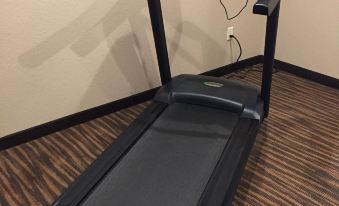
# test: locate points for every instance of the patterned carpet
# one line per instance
(295, 160)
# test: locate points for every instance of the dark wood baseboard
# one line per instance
(307, 74)
(90, 114)
(72, 120)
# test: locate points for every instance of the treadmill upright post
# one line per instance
(270, 44)
(160, 40)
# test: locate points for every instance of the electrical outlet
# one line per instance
(230, 31)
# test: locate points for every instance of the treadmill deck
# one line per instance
(172, 162)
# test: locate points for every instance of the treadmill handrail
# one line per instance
(265, 7)
(270, 8)
(159, 36)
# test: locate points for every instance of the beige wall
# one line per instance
(61, 57)
(309, 35)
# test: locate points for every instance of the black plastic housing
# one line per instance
(265, 7)
(233, 96)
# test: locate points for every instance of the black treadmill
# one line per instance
(190, 146)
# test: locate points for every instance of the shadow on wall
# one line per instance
(130, 53)
(211, 50)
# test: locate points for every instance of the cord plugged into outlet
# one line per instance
(230, 31)
(230, 36)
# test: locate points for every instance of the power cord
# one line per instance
(243, 74)
(235, 16)
(257, 68)
(230, 18)
(236, 39)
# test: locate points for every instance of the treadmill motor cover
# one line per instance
(230, 95)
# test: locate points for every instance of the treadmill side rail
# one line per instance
(227, 174)
(84, 184)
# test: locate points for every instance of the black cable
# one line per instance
(230, 18)
(242, 74)
(236, 39)
(226, 12)
(253, 68)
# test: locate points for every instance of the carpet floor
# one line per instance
(295, 160)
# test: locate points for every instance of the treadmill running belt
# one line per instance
(171, 163)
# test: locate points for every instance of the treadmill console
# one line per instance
(229, 95)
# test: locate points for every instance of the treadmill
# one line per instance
(190, 146)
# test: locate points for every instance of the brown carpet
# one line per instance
(295, 160)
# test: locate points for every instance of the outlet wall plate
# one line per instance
(230, 31)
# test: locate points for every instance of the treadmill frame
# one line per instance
(240, 142)
(93, 175)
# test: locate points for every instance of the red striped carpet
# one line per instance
(295, 160)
